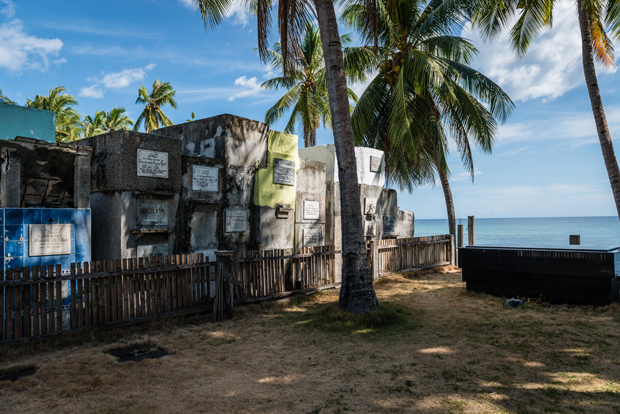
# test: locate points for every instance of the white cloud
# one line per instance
(20, 51)
(7, 7)
(464, 175)
(91, 92)
(551, 67)
(114, 80)
(515, 152)
(251, 88)
(188, 3)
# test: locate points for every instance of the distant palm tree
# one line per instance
(62, 104)
(4, 99)
(116, 120)
(94, 125)
(152, 115)
(307, 84)
(597, 19)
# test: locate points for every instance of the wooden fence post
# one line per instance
(225, 264)
(460, 235)
(374, 259)
(471, 231)
(452, 250)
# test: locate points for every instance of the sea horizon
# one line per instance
(594, 231)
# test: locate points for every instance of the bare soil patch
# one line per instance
(446, 351)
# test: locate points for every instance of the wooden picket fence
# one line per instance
(101, 293)
(401, 255)
(261, 273)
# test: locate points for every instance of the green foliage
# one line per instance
(306, 97)
(94, 125)
(329, 318)
(116, 120)
(4, 99)
(68, 122)
(424, 91)
(193, 118)
(152, 116)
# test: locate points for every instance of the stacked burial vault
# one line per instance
(226, 183)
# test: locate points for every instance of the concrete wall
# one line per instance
(20, 121)
(49, 173)
(405, 225)
(134, 204)
(310, 231)
(327, 155)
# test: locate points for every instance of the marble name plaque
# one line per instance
(370, 205)
(145, 250)
(49, 239)
(312, 210)
(283, 171)
(205, 178)
(152, 212)
(375, 163)
(389, 224)
(236, 221)
(312, 237)
(152, 164)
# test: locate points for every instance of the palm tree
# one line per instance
(594, 17)
(307, 91)
(96, 125)
(424, 92)
(4, 99)
(116, 120)
(62, 104)
(152, 115)
(356, 294)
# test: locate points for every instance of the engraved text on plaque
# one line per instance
(152, 212)
(311, 210)
(152, 164)
(236, 221)
(204, 178)
(283, 171)
(49, 239)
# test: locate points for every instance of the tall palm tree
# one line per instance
(62, 104)
(425, 92)
(4, 99)
(597, 19)
(152, 116)
(94, 125)
(356, 294)
(307, 89)
(117, 120)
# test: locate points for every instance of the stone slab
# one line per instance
(312, 210)
(152, 212)
(160, 249)
(236, 221)
(49, 239)
(283, 171)
(205, 178)
(152, 163)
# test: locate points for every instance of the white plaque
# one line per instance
(204, 178)
(152, 212)
(152, 164)
(236, 221)
(375, 163)
(312, 237)
(283, 171)
(49, 239)
(370, 205)
(311, 210)
(160, 249)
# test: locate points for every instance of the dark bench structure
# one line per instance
(564, 275)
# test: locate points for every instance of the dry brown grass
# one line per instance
(458, 352)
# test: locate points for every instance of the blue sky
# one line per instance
(546, 161)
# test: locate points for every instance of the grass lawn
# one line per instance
(444, 351)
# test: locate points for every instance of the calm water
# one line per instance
(524, 232)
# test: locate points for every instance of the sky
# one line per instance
(546, 160)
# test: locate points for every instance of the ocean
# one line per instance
(595, 232)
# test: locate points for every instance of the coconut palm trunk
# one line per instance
(357, 294)
(447, 193)
(596, 102)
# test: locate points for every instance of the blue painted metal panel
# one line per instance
(22, 121)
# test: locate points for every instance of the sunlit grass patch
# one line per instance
(389, 318)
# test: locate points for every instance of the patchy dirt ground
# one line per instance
(457, 352)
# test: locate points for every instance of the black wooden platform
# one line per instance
(578, 276)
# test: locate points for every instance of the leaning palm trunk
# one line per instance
(447, 193)
(357, 294)
(597, 105)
